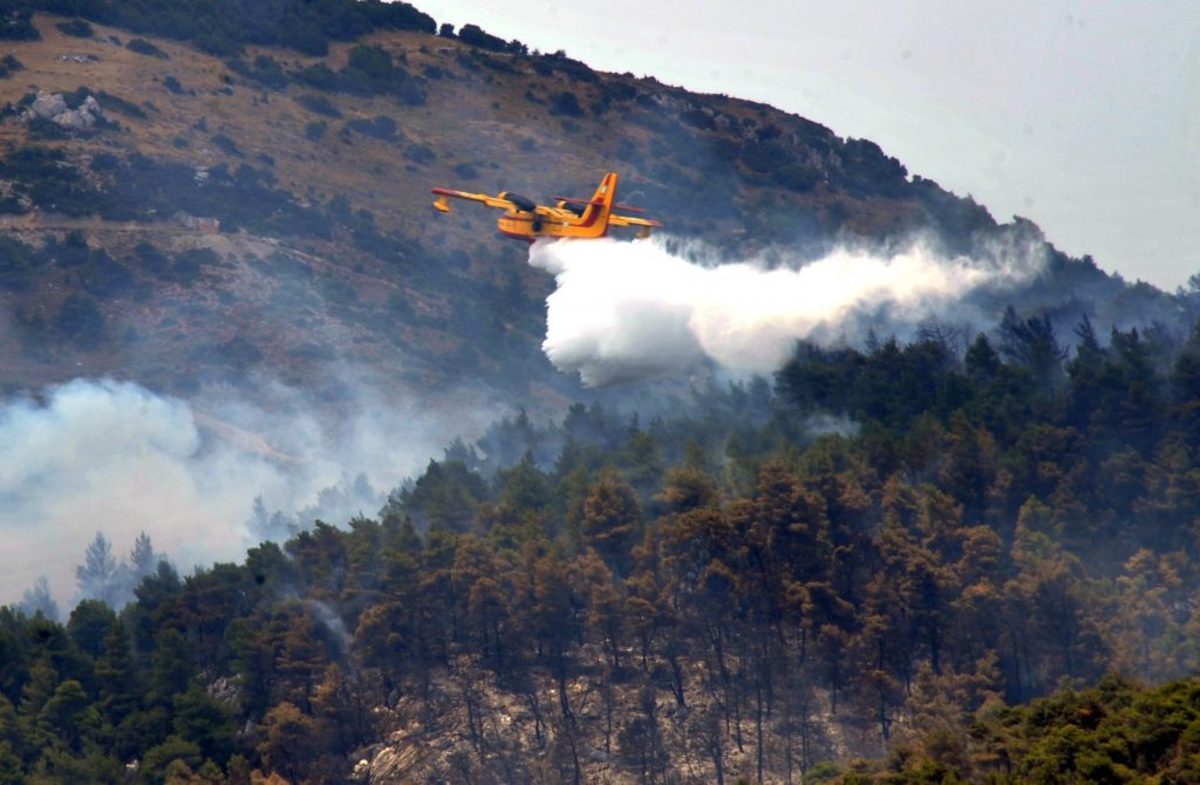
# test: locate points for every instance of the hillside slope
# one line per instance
(870, 557)
(325, 252)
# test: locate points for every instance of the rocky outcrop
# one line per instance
(53, 107)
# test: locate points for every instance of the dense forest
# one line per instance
(877, 555)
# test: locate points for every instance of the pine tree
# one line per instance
(100, 577)
(38, 599)
(611, 518)
(142, 559)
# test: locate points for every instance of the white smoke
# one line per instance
(626, 310)
(109, 456)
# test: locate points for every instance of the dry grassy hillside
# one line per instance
(329, 251)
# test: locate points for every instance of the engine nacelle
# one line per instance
(523, 203)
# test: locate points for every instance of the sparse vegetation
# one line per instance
(315, 130)
(574, 70)
(223, 27)
(76, 28)
(45, 130)
(380, 127)
(16, 23)
(476, 36)
(108, 101)
(419, 153)
(226, 145)
(318, 104)
(265, 70)
(370, 70)
(698, 118)
(188, 266)
(466, 171)
(318, 76)
(18, 263)
(565, 103)
(81, 321)
(143, 47)
(49, 180)
(9, 65)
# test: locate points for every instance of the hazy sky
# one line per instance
(1082, 116)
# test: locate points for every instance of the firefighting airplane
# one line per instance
(525, 220)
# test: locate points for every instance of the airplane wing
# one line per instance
(646, 224)
(443, 204)
(629, 220)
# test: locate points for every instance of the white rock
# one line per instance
(48, 105)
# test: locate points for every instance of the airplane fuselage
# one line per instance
(551, 222)
(524, 219)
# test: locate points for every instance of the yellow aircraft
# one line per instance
(583, 218)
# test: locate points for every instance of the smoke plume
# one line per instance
(627, 310)
(109, 456)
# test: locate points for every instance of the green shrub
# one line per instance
(76, 28)
(411, 93)
(697, 118)
(50, 180)
(118, 104)
(105, 277)
(17, 263)
(227, 145)
(17, 24)
(797, 177)
(575, 70)
(143, 47)
(318, 104)
(764, 156)
(318, 76)
(189, 266)
(476, 36)
(315, 130)
(9, 65)
(81, 320)
(268, 71)
(380, 127)
(565, 103)
(619, 91)
(372, 61)
(105, 162)
(419, 153)
(43, 129)
(265, 70)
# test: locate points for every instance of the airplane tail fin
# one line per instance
(595, 217)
